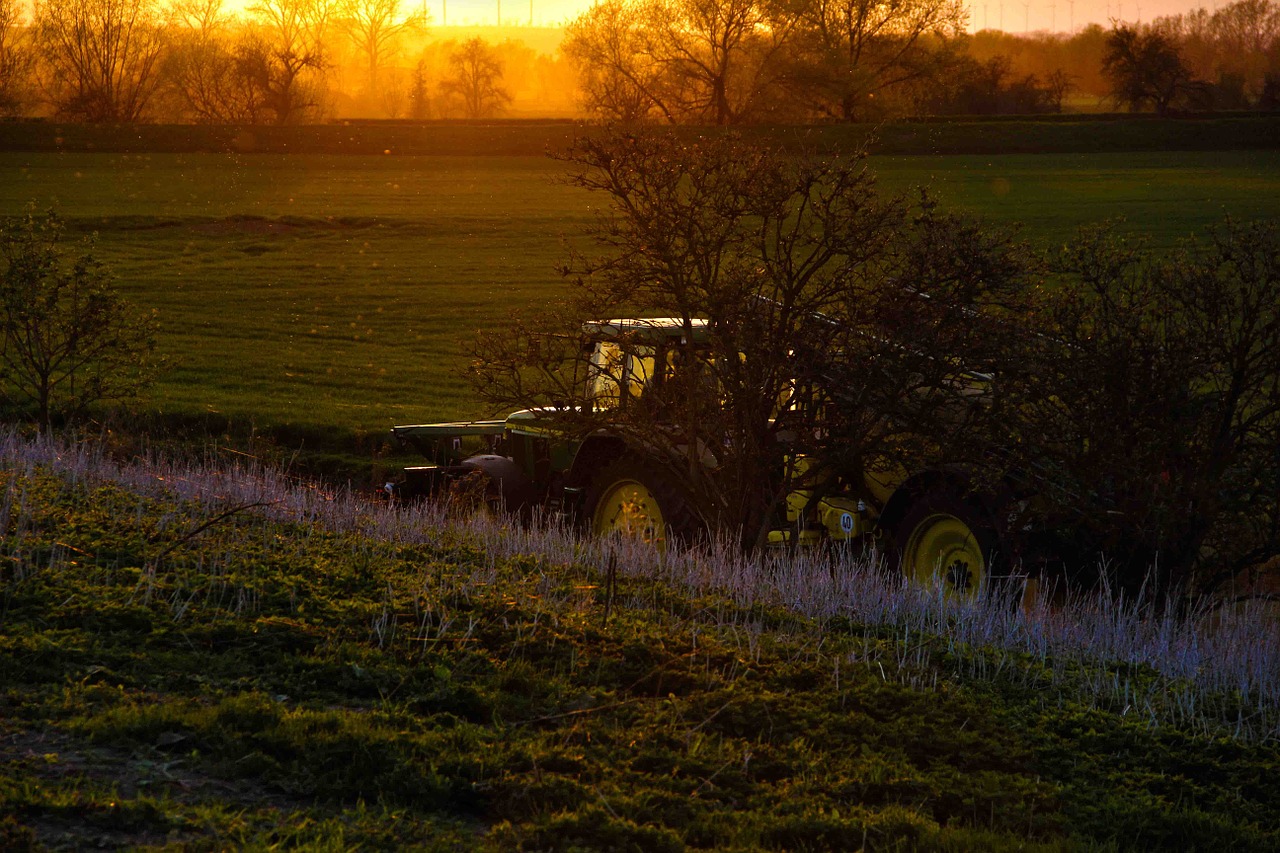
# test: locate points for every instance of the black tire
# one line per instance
(503, 483)
(948, 539)
(630, 497)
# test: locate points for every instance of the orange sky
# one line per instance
(1014, 16)
(1060, 15)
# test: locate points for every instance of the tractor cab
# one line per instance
(637, 358)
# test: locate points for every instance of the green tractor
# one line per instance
(928, 523)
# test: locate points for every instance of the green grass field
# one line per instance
(323, 298)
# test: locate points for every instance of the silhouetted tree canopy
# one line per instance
(101, 58)
(840, 324)
(1144, 405)
(475, 79)
(1145, 70)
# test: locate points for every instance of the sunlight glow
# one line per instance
(484, 13)
(1033, 16)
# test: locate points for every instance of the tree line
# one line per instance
(739, 61)
(725, 62)
(1225, 60)
(281, 62)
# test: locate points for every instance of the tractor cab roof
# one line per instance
(645, 329)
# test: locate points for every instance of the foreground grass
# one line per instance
(205, 657)
(321, 299)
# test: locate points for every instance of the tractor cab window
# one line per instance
(640, 365)
(645, 371)
(804, 398)
(606, 373)
(614, 367)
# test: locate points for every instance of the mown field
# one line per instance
(319, 299)
(204, 658)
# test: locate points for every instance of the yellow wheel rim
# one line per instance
(943, 547)
(629, 509)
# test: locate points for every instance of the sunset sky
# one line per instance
(1017, 15)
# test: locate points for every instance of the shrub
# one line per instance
(67, 337)
(1145, 404)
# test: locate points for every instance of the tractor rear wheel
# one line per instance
(632, 499)
(947, 540)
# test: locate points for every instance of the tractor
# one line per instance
(929, 523)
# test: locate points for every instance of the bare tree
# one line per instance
(284, 60)
(722, 52)
(393, 95)
(800, 340)
(475, 79)
(1058, 84)
(851, 52)
(101, 57)
(709, 61)
(374, 27)
(16, 60)
(619, 80)
(202, 69)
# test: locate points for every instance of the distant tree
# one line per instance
(711, 61)
(724, 54)
(1145, 70)
(1054, 58)
(1193, 33)
(374, 26)
(619, 81)
(393, 94)
(1084, 60)
(848, 53)
(1270, 97)
(102, 57)
(202, 69)
(419, 91)
(1057, 85)
(16, 60)
(285, 59)
(975, 88)
(475, 79)
(553, 80)
(67, 337)
(1247, 38)
(1234, 46)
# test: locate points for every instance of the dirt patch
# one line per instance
(275, 226)
(256, 226)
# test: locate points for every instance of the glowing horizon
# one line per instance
(1011, 16)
